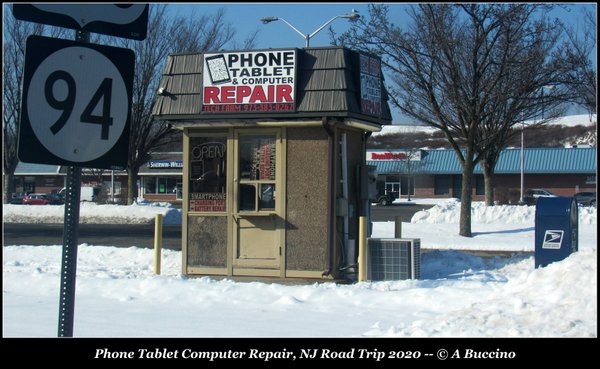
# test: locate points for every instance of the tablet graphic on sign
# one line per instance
(217, 69)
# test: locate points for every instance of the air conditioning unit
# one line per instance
(392, 259)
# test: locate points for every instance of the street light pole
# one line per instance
(522, 158)
(352, 16)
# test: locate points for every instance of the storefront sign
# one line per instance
(370, 85)
(394, 155)
(249, 82)
(165, 164)
(208, 202)
(208, 150)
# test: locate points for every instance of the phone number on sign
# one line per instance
(247, 108)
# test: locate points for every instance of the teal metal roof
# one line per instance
(537, 160)
(33, 169)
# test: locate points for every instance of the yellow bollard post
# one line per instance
(398, 227)
(158, 222)
(362, 249)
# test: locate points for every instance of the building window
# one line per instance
(107, 186)
(167, 185)
(150, 185)
(257, 168)
(208, 174)
(441, 185)
(29, 184)
(160, 185)
(479, 185)
(408, 186)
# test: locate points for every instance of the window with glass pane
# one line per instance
(171, 185)
(257, 163)
(267, 197)
(208, 174)
(150, 184)
(162, 185)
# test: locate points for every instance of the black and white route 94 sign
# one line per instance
(76, 104)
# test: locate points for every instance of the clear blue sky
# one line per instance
(306, 17)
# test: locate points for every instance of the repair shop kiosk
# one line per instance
(274, 148)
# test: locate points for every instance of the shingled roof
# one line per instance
(327, 84)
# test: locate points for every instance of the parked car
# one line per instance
(385, 199)
(36, 199)
(530, 197)
(56, 198)
(585, 198)
(17, 197)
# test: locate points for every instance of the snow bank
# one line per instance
(445, 211)
(449, 212)
(137, 213)
(517, 304)
(459, 295)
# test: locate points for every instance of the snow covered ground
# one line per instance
(458, 295)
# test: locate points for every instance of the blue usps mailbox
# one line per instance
(556, 228)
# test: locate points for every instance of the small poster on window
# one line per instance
(208, 202)
(370, 85)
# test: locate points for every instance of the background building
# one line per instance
(437, 173)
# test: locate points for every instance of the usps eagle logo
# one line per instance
(553, 239)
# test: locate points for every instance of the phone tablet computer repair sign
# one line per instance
(249, 82)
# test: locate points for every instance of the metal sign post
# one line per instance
(66, 308)
(68, 269)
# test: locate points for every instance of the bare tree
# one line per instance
(582, 47)
(168, 35)
(15, 35)
(529, 82)
(196, 33)
(453, 66)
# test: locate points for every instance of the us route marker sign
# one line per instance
(121, 20)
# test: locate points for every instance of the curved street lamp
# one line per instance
(351, 16)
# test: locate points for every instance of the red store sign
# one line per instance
(394, 155)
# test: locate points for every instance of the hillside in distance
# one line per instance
(569, 131)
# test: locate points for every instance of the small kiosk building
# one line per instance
(274, 147)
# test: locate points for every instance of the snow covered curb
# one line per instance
(447, 211)
(138, 213)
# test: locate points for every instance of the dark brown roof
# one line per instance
(327, 84)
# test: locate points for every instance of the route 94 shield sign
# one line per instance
(76, 104)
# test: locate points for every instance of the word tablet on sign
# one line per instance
(249, 82)
(76, 104)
